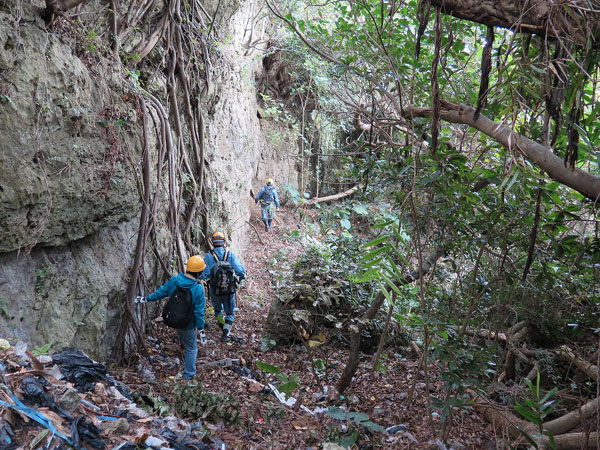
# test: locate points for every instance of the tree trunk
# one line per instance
(573, 20)
(332, 198)
(583, 182)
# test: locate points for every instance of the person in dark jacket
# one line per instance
(267, 196)
(222, 303)
(187, 336)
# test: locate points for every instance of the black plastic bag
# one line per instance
(87, 432)
(181, 441)
(78, 368)
(34, 393)
(7, 436)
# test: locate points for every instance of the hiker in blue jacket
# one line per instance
(187, 336)
(224, 302)
(267, 196)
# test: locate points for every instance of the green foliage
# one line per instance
(267, 343)
(192, 401)
(43, 350)
(42, 274)
(268, 367)
(294, 194)
(287, 383)
(357, 421)
(357, 417)
(535, 410)
(6, 99)
(3, 307)
(154, 404)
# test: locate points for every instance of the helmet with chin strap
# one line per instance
(218, 239)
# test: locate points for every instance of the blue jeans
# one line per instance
(222, 303)
(267, 211)
(188, 338)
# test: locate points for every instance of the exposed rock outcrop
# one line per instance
(70, 147)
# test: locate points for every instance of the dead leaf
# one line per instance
(145, 420)
(254, 387)
(299, 425)
(316, 340)
(37, 365)
(56, 420)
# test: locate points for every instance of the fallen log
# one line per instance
(486, 334)
(573, 441)
(570, 420)
(332, 198)
(565, 353)
(558, 427)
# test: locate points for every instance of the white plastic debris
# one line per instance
(20, 349)
(317, 410)
(291, 401)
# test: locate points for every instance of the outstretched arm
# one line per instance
(163, 291)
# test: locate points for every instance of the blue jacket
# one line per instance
(261, 193)
(209, 259)
(197, 296)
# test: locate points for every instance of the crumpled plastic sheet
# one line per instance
(245, 371)
(84, 372)
(7, 436)
(18, 405)
(81, 430)
(35, 393)
(78, 368)
(10, 447)
(130, 446)
(185, 441)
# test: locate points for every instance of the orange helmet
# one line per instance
(195, 264)
(218, 235)
(269, 181)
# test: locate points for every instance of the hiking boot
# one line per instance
(225, 335)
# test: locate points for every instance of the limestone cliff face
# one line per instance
(70, 150)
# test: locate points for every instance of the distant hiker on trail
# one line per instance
(267, 196)
(185, 309)
(224, 272)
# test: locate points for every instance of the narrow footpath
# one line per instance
(228, 368)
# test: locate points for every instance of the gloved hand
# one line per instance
(140, 299)
(202, 337)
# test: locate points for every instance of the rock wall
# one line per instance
(244, 149)
(70, 146)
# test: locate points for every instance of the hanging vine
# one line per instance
(171, 41)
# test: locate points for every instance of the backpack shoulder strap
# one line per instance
(226, 255)
(214, 255)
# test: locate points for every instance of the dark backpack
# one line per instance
(268, 196)
(222, 278)
(179, 310)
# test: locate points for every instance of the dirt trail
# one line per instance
(383, 397)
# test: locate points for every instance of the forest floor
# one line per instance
(266, 422)
(232, 396)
